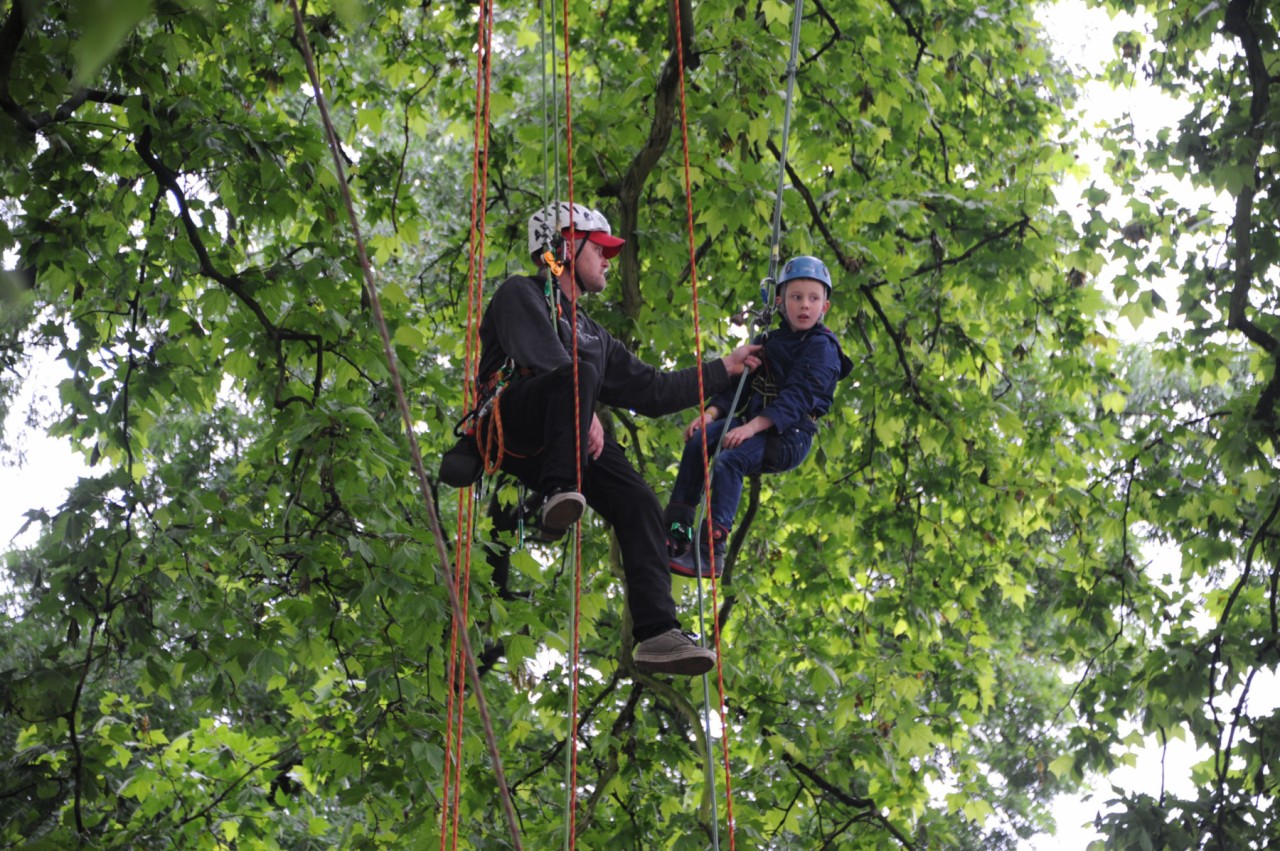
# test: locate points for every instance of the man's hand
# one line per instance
(595, 437)
(746, 356)
(711, 414)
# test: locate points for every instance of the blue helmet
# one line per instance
(805, 266)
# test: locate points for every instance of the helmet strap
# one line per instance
(573, 263)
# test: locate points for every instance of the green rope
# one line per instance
(767, 288)
(550, 197)
(767, 295)
(550, 109)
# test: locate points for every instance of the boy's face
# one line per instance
(804, 301)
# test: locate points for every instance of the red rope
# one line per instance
(572, 256)
(706, 463)
(450, 809)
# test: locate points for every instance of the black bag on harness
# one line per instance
(462, 466)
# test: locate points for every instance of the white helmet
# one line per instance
(549, 222)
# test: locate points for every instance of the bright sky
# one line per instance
(1084, 37)
(49, 467)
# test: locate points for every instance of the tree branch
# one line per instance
(666, 97)
(234, 283)
(1238, 20)
(12, 32)
(943, 262)
(834, 38)
(844, 797)
(848, 799)
(225, 793)
(626, 718)
(912, 30)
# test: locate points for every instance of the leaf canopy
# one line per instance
(232, 634)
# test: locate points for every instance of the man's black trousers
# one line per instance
(538, 436)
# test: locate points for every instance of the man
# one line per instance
(527, 342)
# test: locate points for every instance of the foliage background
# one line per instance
(232, 634)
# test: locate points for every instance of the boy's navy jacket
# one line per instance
(797, 381)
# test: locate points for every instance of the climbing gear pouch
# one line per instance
(462, 466)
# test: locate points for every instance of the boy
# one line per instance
(802, 361)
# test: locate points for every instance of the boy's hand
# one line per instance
(746, 431)
(738, 436)
(746, 356)
(711, 414)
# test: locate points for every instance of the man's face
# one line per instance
(591, 267)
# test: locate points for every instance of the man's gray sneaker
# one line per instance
(673, 652)
(560, 511)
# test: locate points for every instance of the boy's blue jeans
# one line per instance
(765, 453)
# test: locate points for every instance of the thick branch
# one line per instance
(666, 98)
(1237, 21)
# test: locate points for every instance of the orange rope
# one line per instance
(493, 445)
(450, 809)
(407, 420)
(491, 436)
(572, 256)
(706, 464)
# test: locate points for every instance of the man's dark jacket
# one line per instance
(517, 325)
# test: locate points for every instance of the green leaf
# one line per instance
(104, 25)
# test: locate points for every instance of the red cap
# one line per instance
(610, 244)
